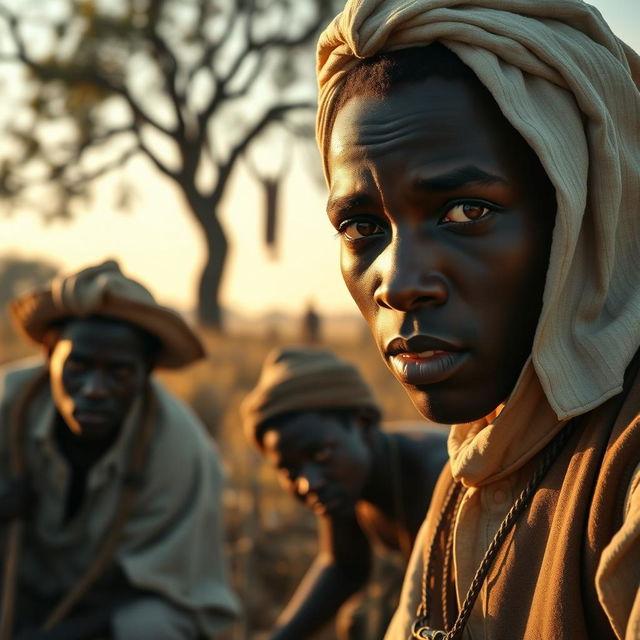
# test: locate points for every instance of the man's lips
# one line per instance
(88, 416)
(423, 360)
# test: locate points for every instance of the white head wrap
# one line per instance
(570, 87)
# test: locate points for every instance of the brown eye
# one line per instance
(122, 372)
(360, 229)
(74, 365)
(466, 212)
(322, 455)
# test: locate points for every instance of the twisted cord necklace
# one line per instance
(420, 629)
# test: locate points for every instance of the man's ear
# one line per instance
(49, 341)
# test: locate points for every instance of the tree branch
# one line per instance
(273, 114)
(161, 166)
(170, 76)
(116, 163)
(206, 59)
(79, 75)
(251, 78)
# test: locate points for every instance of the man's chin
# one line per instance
(446, 408)
(333, 508)
(93, 431)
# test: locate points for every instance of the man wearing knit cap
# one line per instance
(483, 164)
(109, 487)
(315, 419)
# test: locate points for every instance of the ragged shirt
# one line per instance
(571, 567)
(172, 543)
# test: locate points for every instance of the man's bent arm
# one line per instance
(340, 569)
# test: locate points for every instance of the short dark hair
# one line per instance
(376, 76)
(344, 415)
(151, 346)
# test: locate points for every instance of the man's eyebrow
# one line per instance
(344, 204)
(457, 178)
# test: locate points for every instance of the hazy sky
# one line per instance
(158, 243)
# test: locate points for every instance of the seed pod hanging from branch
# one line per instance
(271, 192)
(270, 186)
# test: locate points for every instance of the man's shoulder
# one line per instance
(15, 375)
(178, 429)
(421, 450)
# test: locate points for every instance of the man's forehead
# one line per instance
(435, 108)
(106, 339)
(98, 327)
(298, 431)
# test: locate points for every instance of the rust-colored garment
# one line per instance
(543, 581)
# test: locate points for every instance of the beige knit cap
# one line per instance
(303, 379)
(103, 290)
(570, 87)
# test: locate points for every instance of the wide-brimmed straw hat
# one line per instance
(103, 290)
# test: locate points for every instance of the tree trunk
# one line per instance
(209, 309)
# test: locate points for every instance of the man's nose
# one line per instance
(410, 274)
(94, 384)
(310, 480)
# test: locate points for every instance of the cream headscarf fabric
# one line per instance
(570, 87)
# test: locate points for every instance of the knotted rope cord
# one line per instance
(446, 564)
(420, 629)
(424, 608)
(14, 532)
(123, 511)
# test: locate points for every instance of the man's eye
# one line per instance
(322, 455)
(466, 212)
(75, 365)
(358, 229)
(122, 372)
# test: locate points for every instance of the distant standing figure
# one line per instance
(316, 421)
(109, 487)
(311, 325)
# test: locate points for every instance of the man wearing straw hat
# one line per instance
(315, 419)
(111, 496)
(483, 162)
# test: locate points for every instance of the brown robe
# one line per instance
(542, 582)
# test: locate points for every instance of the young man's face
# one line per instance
(97, 368)
(321, 459)
(445, 216)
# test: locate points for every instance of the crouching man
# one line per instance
(110, 496)
(316, 420)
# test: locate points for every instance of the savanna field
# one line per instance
(271, 540)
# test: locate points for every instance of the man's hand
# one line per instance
(16, 497)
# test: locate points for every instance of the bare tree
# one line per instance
(189, 84)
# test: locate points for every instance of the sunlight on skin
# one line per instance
(307, 267)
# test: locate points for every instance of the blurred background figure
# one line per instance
(311, 325)
(109, 488)
(318, 424)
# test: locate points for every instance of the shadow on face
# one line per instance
(97, 368)
(322, 458)
(445, 217)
